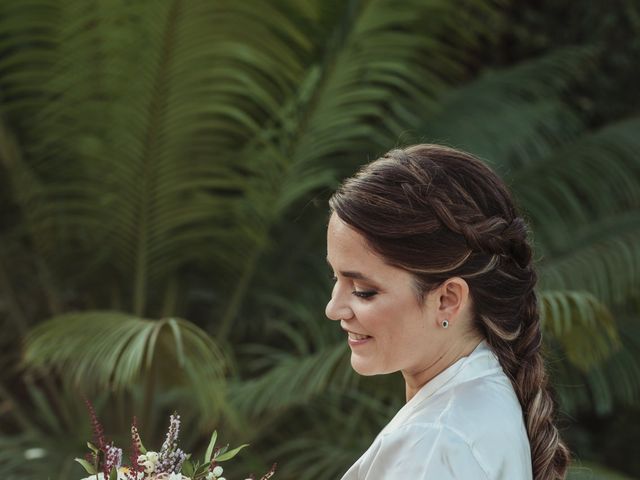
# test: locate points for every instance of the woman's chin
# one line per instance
(363, 367)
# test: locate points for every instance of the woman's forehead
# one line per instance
(344, 241)
(347, 249)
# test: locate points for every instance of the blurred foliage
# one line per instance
(164, 171)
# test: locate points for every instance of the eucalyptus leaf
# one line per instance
(91, 470)
(92, 447)
(212, 443)
(201, 470)
(231, 453)
(187, 468)
(221, 450)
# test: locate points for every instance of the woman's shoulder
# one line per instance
(483, 409)
(479, 411)
(481, 417)
(476, 443)
(485, 402)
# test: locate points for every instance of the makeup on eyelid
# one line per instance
(364, 294)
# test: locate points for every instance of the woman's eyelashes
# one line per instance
(366, 295)
(358, 293)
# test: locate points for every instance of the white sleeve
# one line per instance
(423, 452)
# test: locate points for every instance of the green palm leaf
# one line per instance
(133, 152)
(587, 180)
(303, 357)
(582, 325)
(601, 257)
(293, 381)
(613, 381)
(111, 350)
(523, 100)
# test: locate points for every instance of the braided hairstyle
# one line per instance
(437, 213)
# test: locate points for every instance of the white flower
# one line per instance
(152, 457)
(217, 471)
(169, 476)
(122, 475)
(148, 461)
(149, 467)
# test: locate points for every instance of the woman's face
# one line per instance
(375, 299)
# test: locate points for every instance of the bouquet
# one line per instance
(104, 461)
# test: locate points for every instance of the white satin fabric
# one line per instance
(465, 423)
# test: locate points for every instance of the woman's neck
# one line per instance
(417, 379)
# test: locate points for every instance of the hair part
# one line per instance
(438, 212)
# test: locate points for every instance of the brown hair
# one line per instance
(437, 213)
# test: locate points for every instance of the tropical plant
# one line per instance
(168, 165)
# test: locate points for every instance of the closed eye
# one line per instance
(358, 293)
(365, 295)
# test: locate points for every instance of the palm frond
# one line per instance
(581, 324)
(132, 90)
(523, 100)
(614, 381)
(354, 84)
(293, 381)
(601, 257)
(587, 180)
(299, 358)
(111, 350)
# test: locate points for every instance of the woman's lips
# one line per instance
(357, 339)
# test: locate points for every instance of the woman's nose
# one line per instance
(336, 309)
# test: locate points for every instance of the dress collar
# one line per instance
(479, 363)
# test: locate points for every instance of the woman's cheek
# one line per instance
(375, 317)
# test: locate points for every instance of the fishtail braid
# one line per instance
(519, 351)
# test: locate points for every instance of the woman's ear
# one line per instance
(453, 296)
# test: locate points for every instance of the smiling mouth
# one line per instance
(357, 336)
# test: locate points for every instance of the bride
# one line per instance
(434, 278)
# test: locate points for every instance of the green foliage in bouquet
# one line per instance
(171, 463)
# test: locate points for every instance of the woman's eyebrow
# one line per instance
(350, 274)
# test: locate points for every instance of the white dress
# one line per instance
(466, 423)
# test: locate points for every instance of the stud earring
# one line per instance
(445, 324)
